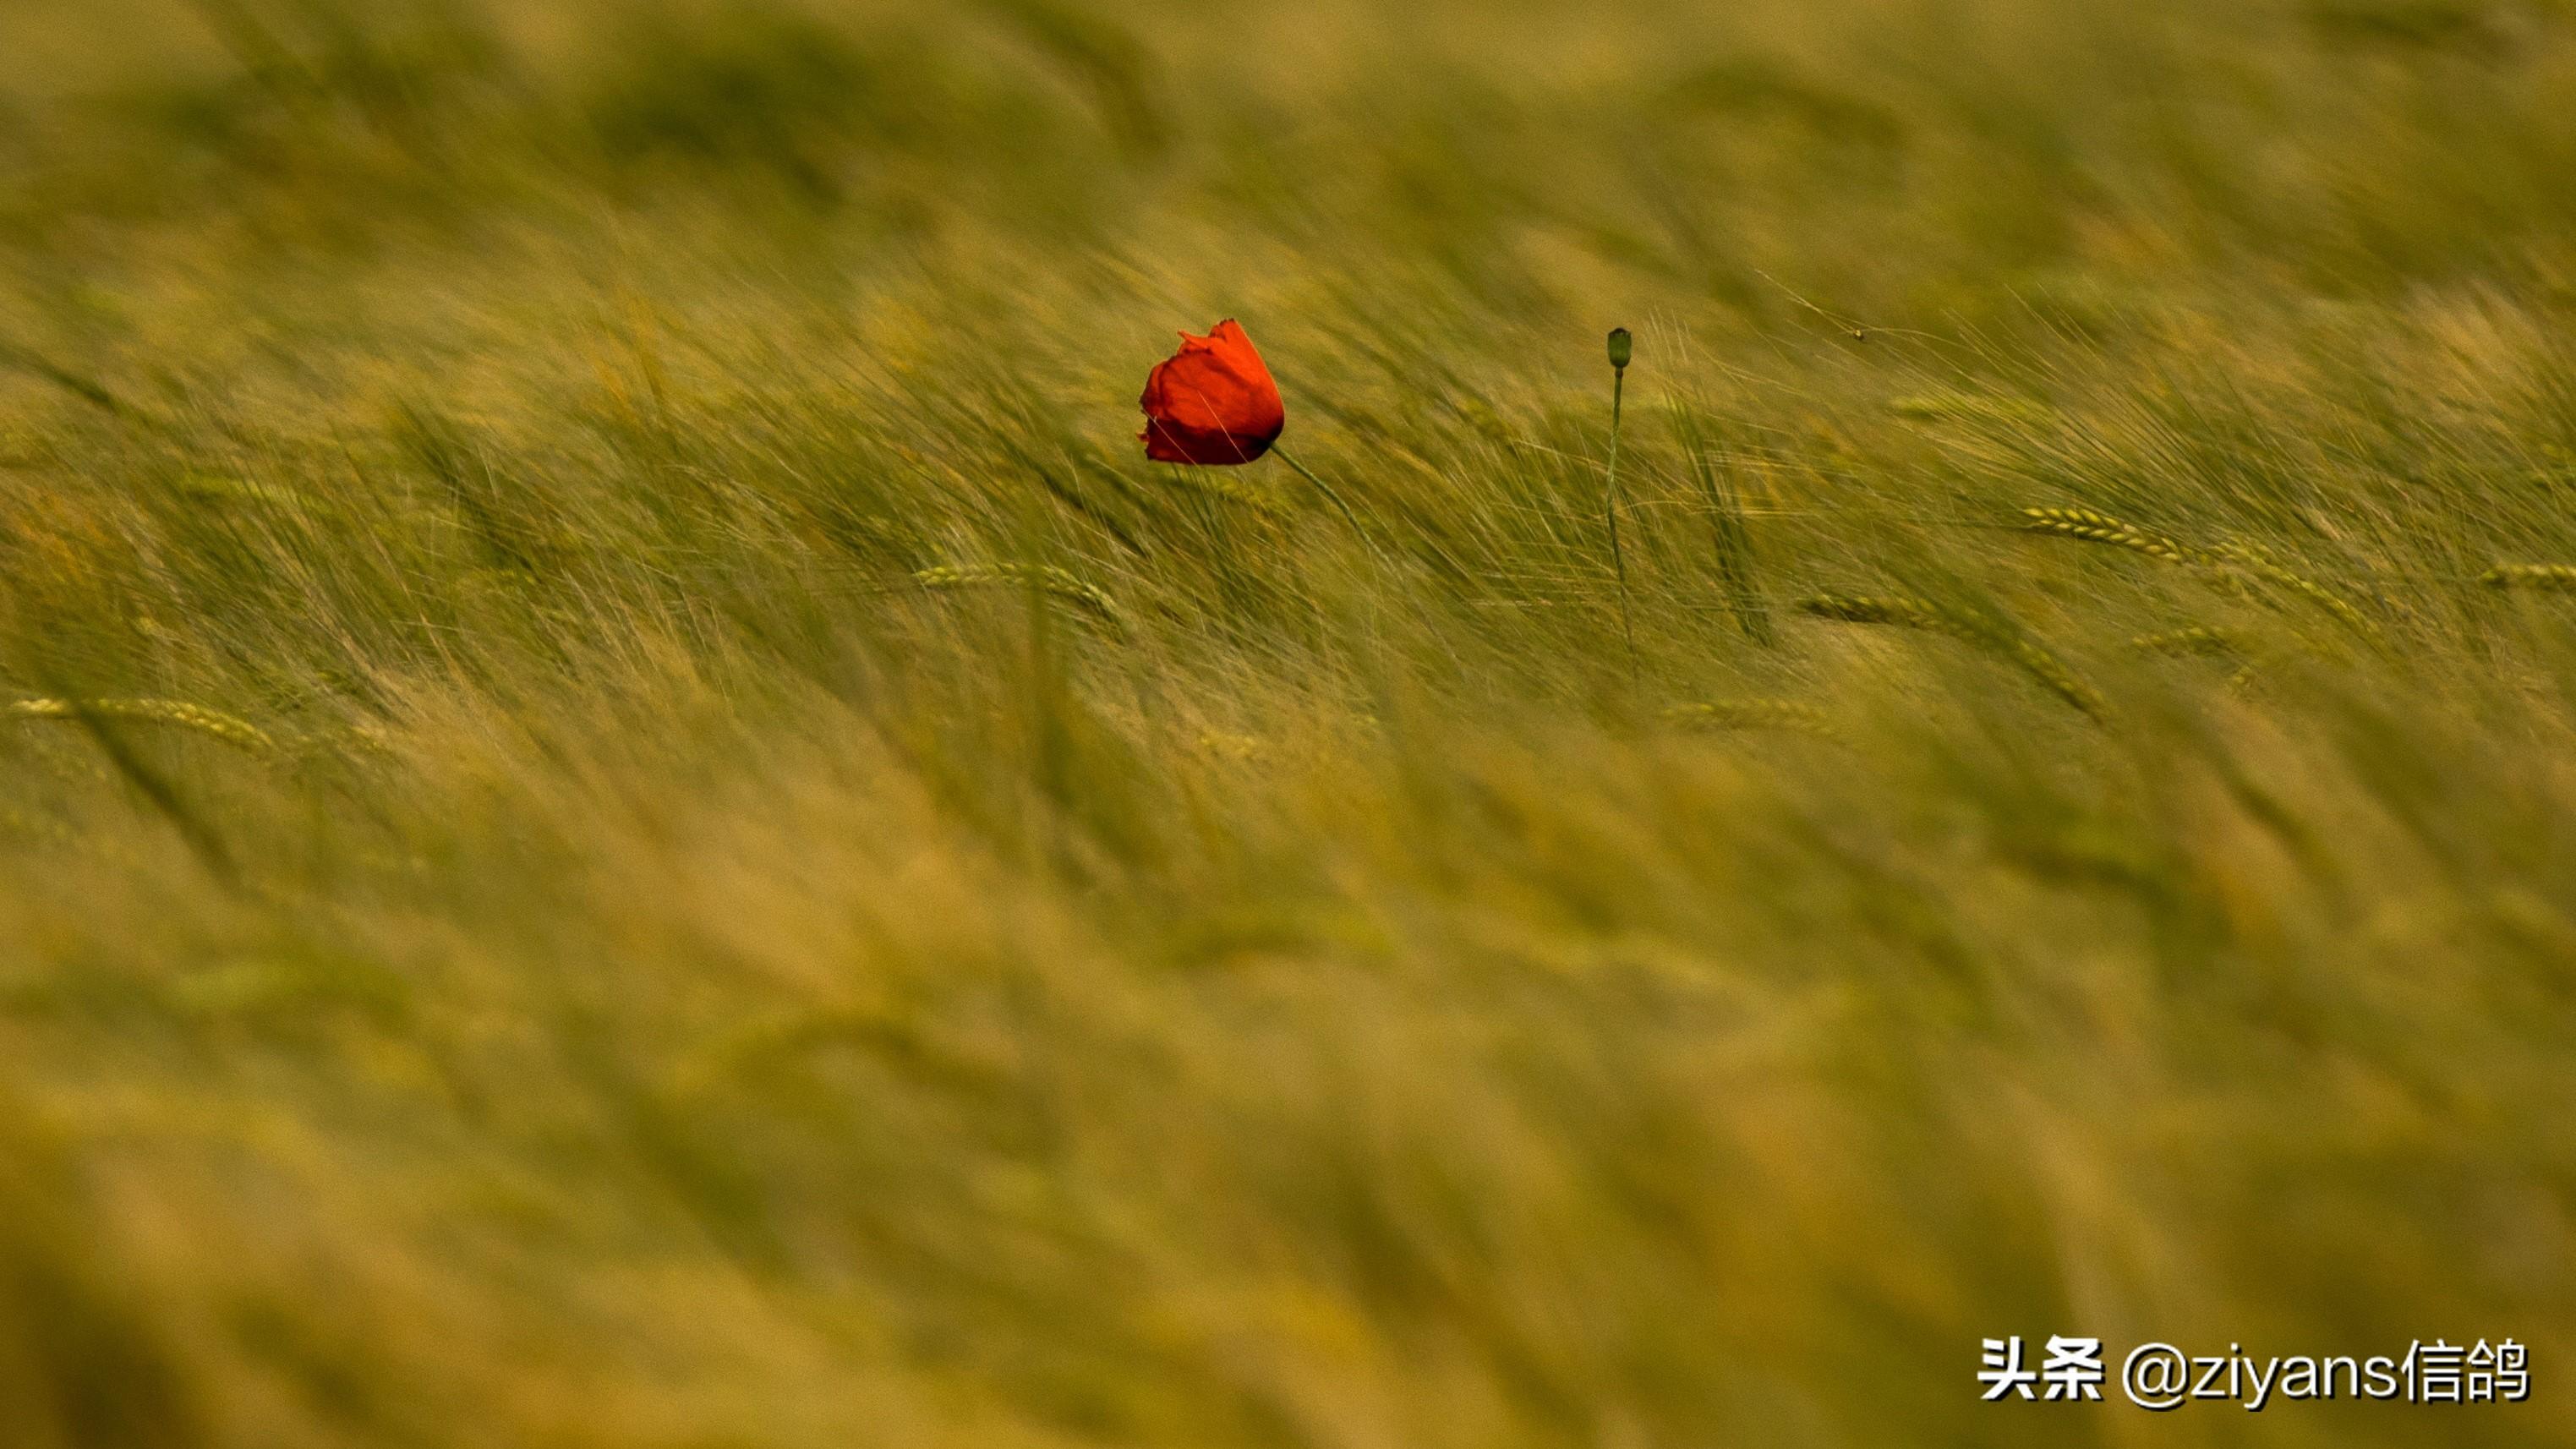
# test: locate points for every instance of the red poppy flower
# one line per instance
(1212, 401)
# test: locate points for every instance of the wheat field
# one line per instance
(631, 819)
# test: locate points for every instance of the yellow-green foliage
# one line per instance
(718, 958)
(2196, 639)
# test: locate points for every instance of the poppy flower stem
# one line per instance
(1330, 493)
(1619, 355)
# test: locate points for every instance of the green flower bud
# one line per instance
(1622, 348)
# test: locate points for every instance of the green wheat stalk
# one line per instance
(1727, 531)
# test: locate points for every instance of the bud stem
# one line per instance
(1322, 487)
(1610, 513)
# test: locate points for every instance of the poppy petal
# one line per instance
(1213, 402)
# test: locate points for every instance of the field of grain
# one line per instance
(630, 820)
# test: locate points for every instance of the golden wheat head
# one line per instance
(2092, 527)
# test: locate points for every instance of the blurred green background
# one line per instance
(628, 818)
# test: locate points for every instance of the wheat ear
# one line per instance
(1910, 613)
(1753, 714)
(2547, 578)
(1045, 578)
(222, 726)
(2199, 639)
(2094, 527)
(2247, 558)
(2258, 561)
